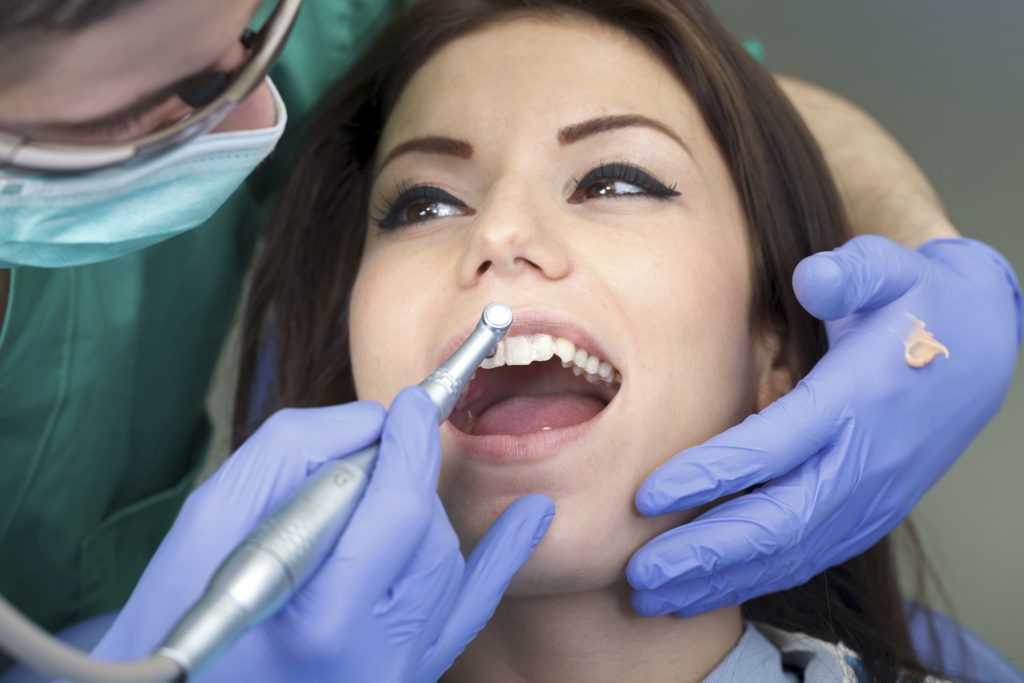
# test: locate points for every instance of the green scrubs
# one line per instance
(104, 369)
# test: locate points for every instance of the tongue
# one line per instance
(525, 414)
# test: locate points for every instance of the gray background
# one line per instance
(947, 78)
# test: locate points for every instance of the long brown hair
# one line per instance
(297, 308)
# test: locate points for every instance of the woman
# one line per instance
(639, 191)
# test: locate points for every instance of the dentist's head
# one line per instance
(124, 122)
(112, 70)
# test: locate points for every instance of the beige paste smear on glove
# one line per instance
(921, 347)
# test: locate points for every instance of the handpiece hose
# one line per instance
(277, 558)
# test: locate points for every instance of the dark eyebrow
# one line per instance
(431, 144)
(578, 131)
(435, 144)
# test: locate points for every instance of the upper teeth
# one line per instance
(525, 349)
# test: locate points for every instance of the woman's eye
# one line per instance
(619, 179)
(420, 204)
(611, 188)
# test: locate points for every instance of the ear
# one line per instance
(775, 376)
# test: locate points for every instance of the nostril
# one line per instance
(482, 268)
(529, 263)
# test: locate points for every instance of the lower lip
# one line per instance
(522, 448)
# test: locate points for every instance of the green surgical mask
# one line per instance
(59, 222)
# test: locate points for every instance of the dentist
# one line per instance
(125, 123)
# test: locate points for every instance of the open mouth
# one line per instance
(535, 383)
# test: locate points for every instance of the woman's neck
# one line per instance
(594, 636)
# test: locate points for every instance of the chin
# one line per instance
(587, 546)
(566, 562)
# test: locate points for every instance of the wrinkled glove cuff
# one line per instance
(999, 260)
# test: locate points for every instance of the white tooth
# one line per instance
(565, 350)
(593, 379)
(566, 365)
(618, 377)
(543, 347)
(576, 370)
(518, 351)
(498, 359)
(605, 370)
(580, 359)
(593, 363)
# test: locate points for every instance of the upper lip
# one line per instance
(538, 321)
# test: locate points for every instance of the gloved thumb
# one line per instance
(497, 557)
(867, 272)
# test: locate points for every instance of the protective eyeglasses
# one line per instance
(212, 95)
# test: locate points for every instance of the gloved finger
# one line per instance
(395, 513)
(411, 425)
(867, 272)
(288, 446)
(756, 577)
(331, 609)
(762, 524)
(426, 592)
(497, 557)
(730, 587)
(764, 446)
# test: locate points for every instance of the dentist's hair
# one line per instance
(297, 316)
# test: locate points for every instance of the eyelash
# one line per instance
(388, 213)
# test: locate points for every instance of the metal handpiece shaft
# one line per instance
(277, 558)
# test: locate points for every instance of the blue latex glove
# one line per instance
(857, 442)
(395, 601)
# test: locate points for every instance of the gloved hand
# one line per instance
(395, 600)
(857, 442)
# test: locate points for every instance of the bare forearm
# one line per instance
(883, 189)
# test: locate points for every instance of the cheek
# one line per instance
(403, 307)
(690, 300)
(379, 349)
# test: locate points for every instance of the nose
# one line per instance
(514, 235)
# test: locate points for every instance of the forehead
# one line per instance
(110, 64)
(527, 75)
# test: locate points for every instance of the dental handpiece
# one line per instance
(276, 559)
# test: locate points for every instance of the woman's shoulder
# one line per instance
(818, 660)
(769, 654)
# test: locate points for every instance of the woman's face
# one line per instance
(559, 167)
